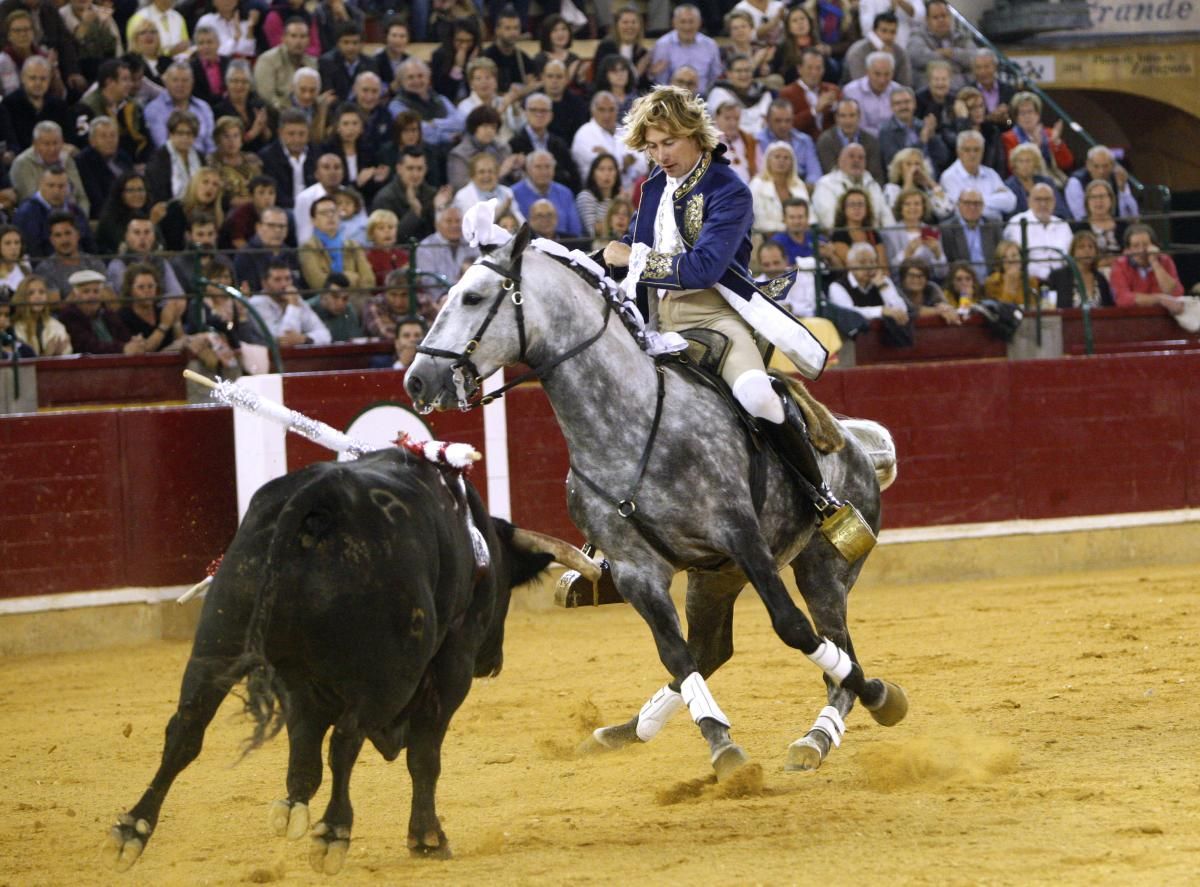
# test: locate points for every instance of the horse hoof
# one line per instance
(803, 754)
(603, 739)
(327, 852)
(728, 761)
(289, 820)
(433, 846)
(893, 708)
(126, 841)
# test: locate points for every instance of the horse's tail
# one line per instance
(878, 443)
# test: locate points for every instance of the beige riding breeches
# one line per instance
(707, 309)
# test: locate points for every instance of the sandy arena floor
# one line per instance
(1053, 738)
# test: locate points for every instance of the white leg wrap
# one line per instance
(832, 660)
(700, 701)
(655, 713)
(754, 391)
(830, 722)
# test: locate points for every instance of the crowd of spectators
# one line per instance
(259, 145)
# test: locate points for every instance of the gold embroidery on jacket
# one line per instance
(693, 218)
(694, 179)
(776, 285)
(658, 266)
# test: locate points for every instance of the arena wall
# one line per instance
(145, 497)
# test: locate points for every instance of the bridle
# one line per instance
(466, 375)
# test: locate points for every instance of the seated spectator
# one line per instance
(234, 31)
(482, 129)
(616, 75)
(128, 196)
(924, 295)
(1099, 205)
(812, 99)
(95, 32)
(33, 324)
(66, 257)
(779, 129)
(970, 113)
(199, 247)
(240, 102)
(626, 40)
(914, 236)
(171, 26)
(1027, 128)
(569, 111)
(329, 16)
(349, 141)
(19, 32)
(903, 132)
(172, 166)
(539, 183)
(936, 99)
(441, 123)
(484, 84)
(236, 168)
(395, 50)
(1144, 275)
(910, 170)
(967, 237)
(157, 322)
(997, 95)
(537, 136)
(615, 223)
(177, 96)
(1025, 161)
(275, 68)
(244, 215)
(202, 194)
(382, 252)
(460, 46)
(208, 65)
(512, 65)
(13, 267)
(383, 313)
(963, 288)
(330, 174)
(307, 99)
(31, 104)
(873, 91)
(290, 161)
(409, 334)
(335, 309)
(288, 317)
(10, 345)
(741, 148)
(93, 328)
(344, 62)
(1044, 236)
(847, 131)
(939, 38)
(854, 223)
(797, 240)
(1005, 283)
(327, 251)
(603, 184)
(111, 99)
(352, 213)
(443, 253)
(46, 151)
(281, 14)
(685, 45)
(555, 38)
(543, 219)
(776, 183)
(1064, 285)
(264, 248)
(485, 185)
(883, 36)
(799, 34)
(968, 172)
(866, 288)
(100, 163)
(1101, 165)
(32, 216)
(601, 136)
(147, 62)
(851, 172)
(410, 197)
(215, 339)
(738, 85)
(140, 247)
(368, 96)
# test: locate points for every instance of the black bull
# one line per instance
(349, 598)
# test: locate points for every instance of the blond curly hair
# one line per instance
(676, 112)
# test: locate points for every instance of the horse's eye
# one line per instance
(471, 299)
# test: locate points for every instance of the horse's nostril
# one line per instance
(414, 385)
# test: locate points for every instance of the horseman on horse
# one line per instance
(687, 252)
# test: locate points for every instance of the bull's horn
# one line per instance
(565, 553)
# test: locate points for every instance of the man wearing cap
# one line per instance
(92, 327)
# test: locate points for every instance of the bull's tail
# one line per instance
(299, 525)
(878, 443)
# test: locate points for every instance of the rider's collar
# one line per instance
(681, 187)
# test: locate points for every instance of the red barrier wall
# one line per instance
(146, 497)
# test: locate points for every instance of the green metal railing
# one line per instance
(196, 306)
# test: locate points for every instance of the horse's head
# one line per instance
(480, 328)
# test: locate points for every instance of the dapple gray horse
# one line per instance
(660, 481)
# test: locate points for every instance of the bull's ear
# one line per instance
(520, 241)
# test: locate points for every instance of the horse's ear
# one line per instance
(520, 241)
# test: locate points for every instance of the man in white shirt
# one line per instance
(235, 33)
(851, 172)
(968, 171)
(867, 288)
(288, 317)
(1047, 237)
(330, 174)
(909, 13)
(599, 136)
(873, 92)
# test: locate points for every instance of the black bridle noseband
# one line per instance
(466, 375)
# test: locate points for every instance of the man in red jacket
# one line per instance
(1144, 275)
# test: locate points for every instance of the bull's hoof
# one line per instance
(327, 852)
(894, 706)
(126, 841)
(431, 845)
(728, 761)
(605, 739)
(803, 754)
(289, 820)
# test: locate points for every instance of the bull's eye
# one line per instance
(471, 299)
